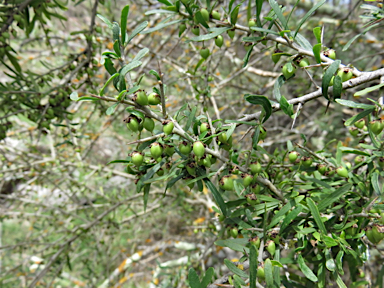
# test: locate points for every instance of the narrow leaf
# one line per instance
(279, 13)
(123, 23)
(146, 194)
(111, 109)
(263, 30)
(307, 15)
(260, 100)
(234, 14)
(137, 30)
(357, 117)
(207, 277)
(375, 182)
(290, 217)
(234, 269)
(101, 93)
(105, 20)
(317, 33)
(219, 200)
(268, 272)
(353, 104)
(337, 87)
(316, 52)
(328, 76)
(316, 215)
(162, 25)
(193, 279)
(331, 198)
(276, 88)
(305, 269)
(252, 266)
(368, 90)
(141, 54)
(208, 36)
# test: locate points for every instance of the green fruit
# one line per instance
(352, 231)
(252, 22)
(360, 123)
(226, 183)
(191, 168)
(255, 188)
(198, 149)
(207, 161)
(263, 133)
(345, 74)
(304, 62)
(182, 28)
(260, 272)
(342, 171)
(204, 12)
(141, 98)
(204, 52)
(6, 35)
(358, 159)
(204, 127)
(98, 29)
(168, 127)
(169, 150)
(234, 232)
(255, 167)
(376, 126)
(254, 241)
(306, 161)
(219, 41)
(160, 172)
(322, 168)
(353, 131)
(231, 33)
(276, 56)
(271, 247)
(216, 15)
(156, 150)
(252, 199)
(196, 30)
(137, 158)
(133, 123)
(381, 162)
(288, 70)
(154, 99)
(330, 53)
(292, 156)
(149, 124)
(223, 137)
(247, 179)
(185, 148)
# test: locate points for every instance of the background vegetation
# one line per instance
(70, 218)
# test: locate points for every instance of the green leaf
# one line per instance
(276, 219)
(359, 116)
(353, 151)
(111, 109)
(116, 32)
(219, 200)
(207, 277)
(328, 76)
(358, 35)
(110, 54)
(193, 279)
(331, 198)
(105, 20)
(108, 64)
(149, 175)
(173, 181)
(260, 100)
(279, 13)
(339, 262)
(368, 90)
(307, 15)
(14, 61)
(375, 182)
(200, 19)
(290, 217)
(268, 273)
(316, 215)
(316, 52)
(329, 263)
(234, 244)
(259, 6)
(191, 118)
(138, 114)
(208, 36)
(165, 2)
(246, 57)
(234, 14)
(129, 67)
(321, 275)
(162, 25)
(340, 282)
(329, 241)
(303, 42)
(101, 93)
(233, 268)
(277, 264)
(305, 269)
(159, 11)
(87, 98)
(337, 87)
(317, 33)
(252, 266)
(154, 73)
(141, 54)
(353, 104)
(276, 89)
(263, 30)
(286, 107)
(116, 48)
(119, 161)
(137, 30)
(123, 22)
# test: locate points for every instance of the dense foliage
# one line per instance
(231, 131)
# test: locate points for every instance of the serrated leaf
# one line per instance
(193, 279)
(123, 22)
(234, 269)
(316, 215)
(305, 269)
(260, 100)
(137, 30)
(317, 51)
(307, 15)
(328, 76)
(111, 109)
(105, 20)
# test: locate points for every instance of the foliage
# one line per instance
(292, 185)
